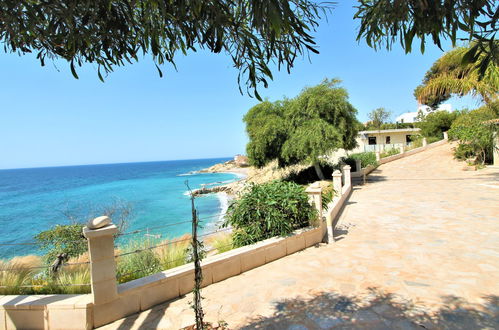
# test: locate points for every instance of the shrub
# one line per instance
(272, 209)
(327, 193)
(13, 276)
(366, 158)
(416, 142)
(433, 139)
(221, 242)
(138, 264)
(64, 280)
(174, 254)
(469, 129)
(389, 152)
(434, 124)
(464, 151)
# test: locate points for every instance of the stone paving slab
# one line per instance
(417, 247)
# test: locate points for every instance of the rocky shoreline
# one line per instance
(251, 175)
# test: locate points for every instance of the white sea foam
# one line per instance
(224, 205)
(188, 173)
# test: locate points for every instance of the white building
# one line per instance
(412, 117)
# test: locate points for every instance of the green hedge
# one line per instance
(390, 152)
(271, 209)
(366, 158)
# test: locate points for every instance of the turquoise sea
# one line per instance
(33, 200)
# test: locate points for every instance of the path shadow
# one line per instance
(377, 310)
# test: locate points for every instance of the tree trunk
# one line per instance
(319, 172)
(198, 273)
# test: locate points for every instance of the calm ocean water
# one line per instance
(33, 200)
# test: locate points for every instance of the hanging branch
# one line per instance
(197, 256)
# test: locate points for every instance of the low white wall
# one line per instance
(334, 209)
(46, 311)
(77, 311)
(141, 294)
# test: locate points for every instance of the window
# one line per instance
(387, 140)
(372, 140)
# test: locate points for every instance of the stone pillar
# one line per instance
(495, 148)
(102, 263)
(425, 142)
(337, 184)
(402, 149)
(337, 195)
(378, 156)
(315, 197)
(446, 136)
(358, 165)
(346, 175)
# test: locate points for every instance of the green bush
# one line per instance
(434, 124)
(463, 152)
(366, 158)
(389, 152)
(433, 139)
(474, 136)
(327, 194)
(416, 142)
(137, 265)
(272, 209)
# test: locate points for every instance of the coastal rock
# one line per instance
(98, 222)
(204, 190)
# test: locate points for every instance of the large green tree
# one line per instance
(384, 22)
(110, 33)
(303, 129)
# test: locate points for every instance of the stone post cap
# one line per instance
(108, 230)
(311, 190)
(336, 173)
(347, 167)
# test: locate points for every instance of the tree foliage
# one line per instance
(475, 137)
(69, 238)
(319, 120)
(271, 209)
(112, 33)
(435, 123)
(378, 117)
(384, 22)
(451, 75)
(62, 239)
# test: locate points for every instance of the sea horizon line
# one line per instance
(119, 163)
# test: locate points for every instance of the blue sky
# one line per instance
(48, 118)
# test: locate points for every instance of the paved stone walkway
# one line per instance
(417, 247)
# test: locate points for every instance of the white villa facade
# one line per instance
(385, 139)
(377, 140)
(412, 117)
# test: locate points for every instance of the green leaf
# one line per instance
(73, 71)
